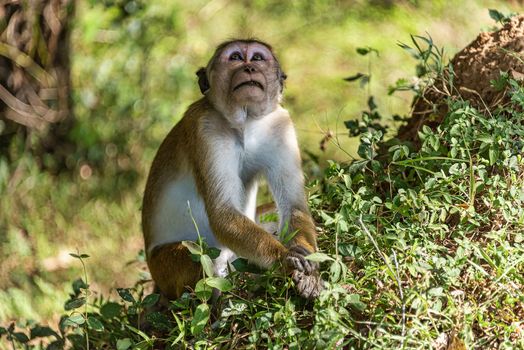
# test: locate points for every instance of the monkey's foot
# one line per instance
(308, 286)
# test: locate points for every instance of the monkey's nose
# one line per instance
(249, 69)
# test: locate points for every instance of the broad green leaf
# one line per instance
(74, 303)
(242, 265)
(76, 319)
(123, 344)
(41, 332)
(354, 300)
(125, 294)
(110, 310)
(21, 337)
(213, 252)
(207, 265)
(150, 300)
(219, 283)
(319, 257)
(200, 318)
(94, 324)
(192, 247)
(493, 155)
(203, 291)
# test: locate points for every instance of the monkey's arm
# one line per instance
(221, 187)
(286, 181)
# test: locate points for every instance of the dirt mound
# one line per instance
(474, 68)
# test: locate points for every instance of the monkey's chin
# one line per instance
(248, 94)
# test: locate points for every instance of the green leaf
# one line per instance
(335, 271)
(192, 247)
(358, 166)
(436, 292)
(200, 318)
(78, 285)
(319, 257)
(219, 283)
(110, 310)
(354, 300)
(213, 252)
(203, 291)
(123, 344)
(125, 294)
(207, 265)
(150, 300)
(434, 142)
(94, 324)
(76, 319)
(21, 337)
(242, 265)
(493, 155)
(143, 335)
(74, 303)
(496, 15)
(42, 332)
(350, 250)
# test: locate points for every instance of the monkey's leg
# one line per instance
(306, 234)
(173, 270)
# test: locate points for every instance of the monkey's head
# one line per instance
(243, 79)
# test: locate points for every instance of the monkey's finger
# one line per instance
(310, 266)
(295, 263)
(300, 250)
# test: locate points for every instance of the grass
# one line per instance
(397, 276)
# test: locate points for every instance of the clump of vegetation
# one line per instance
(420, 248)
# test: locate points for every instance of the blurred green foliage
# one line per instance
(134, 62)
(133, 65)
(420, 248)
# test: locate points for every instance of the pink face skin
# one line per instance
(244, 80)
(251, 68)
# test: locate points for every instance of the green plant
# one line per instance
(416, 245)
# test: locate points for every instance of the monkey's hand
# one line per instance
(304, 272)
(296, 260)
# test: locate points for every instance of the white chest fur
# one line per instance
(237, 159)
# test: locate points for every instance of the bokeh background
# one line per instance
(132, 71)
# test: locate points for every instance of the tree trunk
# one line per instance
(34, 77)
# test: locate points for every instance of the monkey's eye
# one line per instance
(235, 56)
(257, 57)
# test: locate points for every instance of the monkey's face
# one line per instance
(245, 75)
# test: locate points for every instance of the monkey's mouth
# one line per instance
(249, 83)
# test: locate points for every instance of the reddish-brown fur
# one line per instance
(173, 270)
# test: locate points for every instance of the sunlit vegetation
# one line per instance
(419, 246)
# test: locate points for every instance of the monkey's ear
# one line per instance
(281, 77)
(203, 82)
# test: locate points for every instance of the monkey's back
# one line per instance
(171, 199)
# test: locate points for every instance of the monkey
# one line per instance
(211, 162)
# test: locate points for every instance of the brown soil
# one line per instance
(474, 67)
